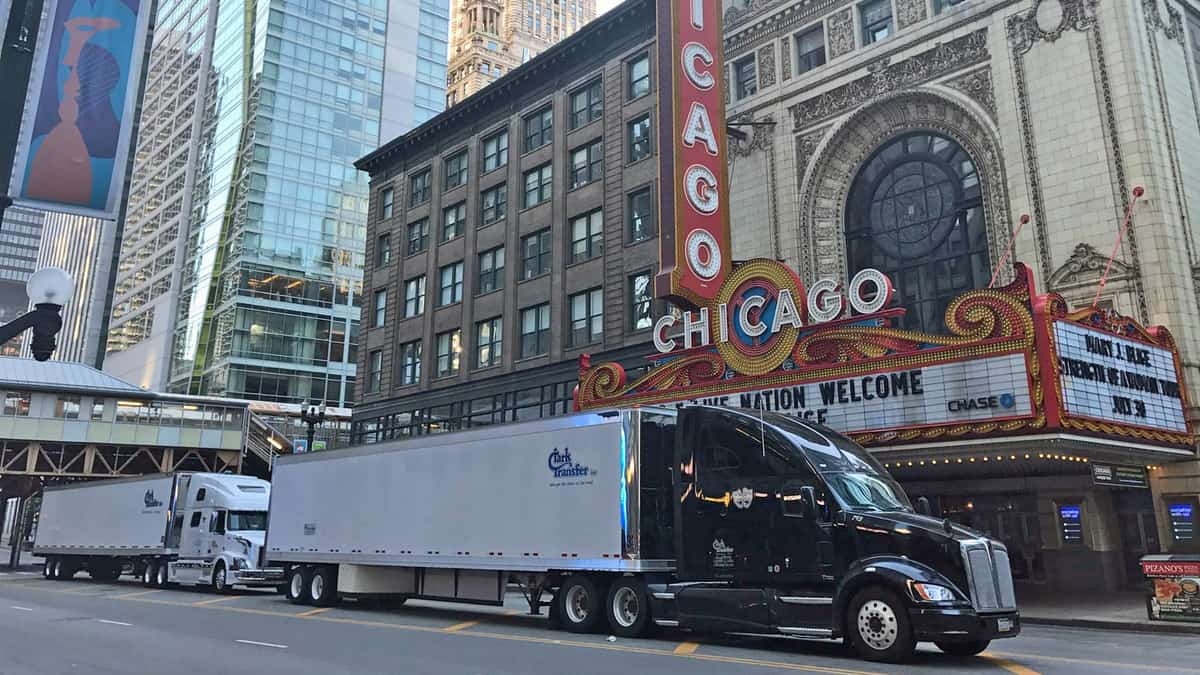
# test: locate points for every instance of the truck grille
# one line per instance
(989, 576)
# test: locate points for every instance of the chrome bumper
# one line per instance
(267, 576)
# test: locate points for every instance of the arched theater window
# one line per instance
(915, 212)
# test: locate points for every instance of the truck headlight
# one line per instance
(931, 592)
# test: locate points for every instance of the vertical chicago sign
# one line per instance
(694, 254)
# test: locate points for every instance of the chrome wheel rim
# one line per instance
(58, 569)
(577, 604)
(220, 582)
(297, 587)
(148, 575)
(161, 576)
(877, 624)
(318, 587)
(48, 569)
(625, 607)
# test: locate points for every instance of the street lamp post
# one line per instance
(312, 415)
(49, 289)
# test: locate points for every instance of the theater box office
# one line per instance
(1043, 426)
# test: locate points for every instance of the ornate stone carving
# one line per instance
(1048, 20)
(909, 12)
(978, 85)
(785, 58)
(1172, 27)
(762, 136)
(1085, 265)
(837, 157)
(786, 18)
(741, 11)
(884, 78)
(839, 30)
(766, 66)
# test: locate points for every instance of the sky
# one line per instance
(603, 6)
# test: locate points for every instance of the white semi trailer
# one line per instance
(187, 528)
(706, 519)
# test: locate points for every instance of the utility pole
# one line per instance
(16, 62)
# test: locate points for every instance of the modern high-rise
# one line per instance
(488, 38)
(242, 255)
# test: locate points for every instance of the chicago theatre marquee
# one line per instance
(890, 148)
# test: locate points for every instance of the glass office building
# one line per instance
(265, 303)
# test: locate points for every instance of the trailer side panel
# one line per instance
(118, 517)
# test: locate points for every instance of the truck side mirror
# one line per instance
(799, 501)
(923, 507)
(809, 499)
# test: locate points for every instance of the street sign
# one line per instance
(1119, 476)
(299, 445)
(318, 446)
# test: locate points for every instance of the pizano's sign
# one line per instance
(694, 252)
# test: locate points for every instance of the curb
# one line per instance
(1134, 626)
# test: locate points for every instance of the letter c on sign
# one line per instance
(701, 79)
(743, 316)
(664, 322)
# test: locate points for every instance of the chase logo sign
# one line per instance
(995, 402)
(562, 466)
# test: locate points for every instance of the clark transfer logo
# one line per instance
(562, 466)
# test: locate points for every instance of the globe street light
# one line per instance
(49, 289)
(312, 415)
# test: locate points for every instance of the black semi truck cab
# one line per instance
(783, 526)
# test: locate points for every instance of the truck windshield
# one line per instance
(247, 520)
(855, 477)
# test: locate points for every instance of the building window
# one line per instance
(587, 104)
(380, 307)
(452, 284)
(449, 347)
(587, 236)
(414, 297)
(494, 203)
(410, 363)
(387, 202)
(641, 215)
(587, 317)
(638, 74)
(418, 236)
(383, 250)
(810, 50)
(535, 254)
(940, 6)
(639, 138)
(641, 302)
(489, 342)
(491, 270)
(452, 220)
(418, 188)
(98, 408)
(456, 170)
(915, 213)
(375, 378)
(745, 77)
(535, 330)
(876, 20)
(495, 151)
(539, 185)
(539, 129)
(67, 407)
(587, 163)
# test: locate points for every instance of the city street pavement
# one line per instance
(79, 626)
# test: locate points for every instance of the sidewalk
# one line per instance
(27, 562)
(1118, 610)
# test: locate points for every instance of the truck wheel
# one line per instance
(162, 574)
(579, 603)
(297, 586)
(220, 579)
(61, 571)
(322, 586)
(878, 626)
(148, 574)
(970, 648)
(48, 569)
(628, 607)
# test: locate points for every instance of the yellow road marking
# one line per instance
(137, 595)
(1010, 666)
(460, 626)
(224, 598)
(514, 612)
(1094, 662)
(314, 612)
(686, 648)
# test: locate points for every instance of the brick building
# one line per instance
(509, 235)
(911, 135)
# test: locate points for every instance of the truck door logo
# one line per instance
(722, 554)
(150, 501)
(562, 466)
(743, 498)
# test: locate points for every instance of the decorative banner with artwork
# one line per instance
(83, 93)
(1011, 362)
